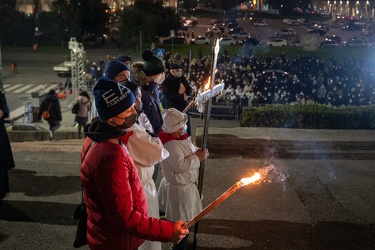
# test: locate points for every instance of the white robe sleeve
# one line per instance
(145, 122)
(146, 150)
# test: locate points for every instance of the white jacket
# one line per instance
(181, 171)
(146, 151)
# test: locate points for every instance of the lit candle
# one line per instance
(224, 196)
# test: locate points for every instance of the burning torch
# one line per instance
(205, 96)
(221, 198)
(215, 50)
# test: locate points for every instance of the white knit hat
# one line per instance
(173, 120)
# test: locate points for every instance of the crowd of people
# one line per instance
(257, 80)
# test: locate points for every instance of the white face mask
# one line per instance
(178, 74)
(159, 79)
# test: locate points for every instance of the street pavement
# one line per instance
(318, 193)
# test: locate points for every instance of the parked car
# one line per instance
(351, 26)
(241, 35)
(287, 21)
(334, 25)
(176, 40)
(355, 43)
(94, 41)
(278, 42)
(334, 38)
(328, 43)
(250, 41)
(226, 41)
(296, 43)
(319, 31)
(231, 23)
(200, 40)
(235, 30)
(365, 32)
(191, 22)
(217, 22)
(214, 30)
(184, 27)
(286, 32)
(260, 23)
(295, 23)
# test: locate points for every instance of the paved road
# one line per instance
(315, 198)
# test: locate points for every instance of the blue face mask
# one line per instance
(185, 129)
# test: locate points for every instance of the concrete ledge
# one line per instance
(20, 136)
(15, 114)
(27, 127)
(244, 139)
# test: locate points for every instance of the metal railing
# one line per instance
(219, 110)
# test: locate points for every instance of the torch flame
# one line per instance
(208, 84)
(254, 178)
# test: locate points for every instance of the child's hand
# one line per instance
(202, 154)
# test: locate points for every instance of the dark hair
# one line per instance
(51, 92)
(85, 94)
(133, 86)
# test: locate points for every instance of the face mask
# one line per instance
(178, 73)
(140, 106)
(128, 122)
(124, 82)
(184, 130)
(159, 79)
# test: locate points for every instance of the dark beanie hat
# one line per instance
(111, 98)
(114, 68)
(51, 92)
(175, 66)
(153, 65)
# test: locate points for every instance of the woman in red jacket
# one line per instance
(115, 200)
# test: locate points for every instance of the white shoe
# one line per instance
(51, 137)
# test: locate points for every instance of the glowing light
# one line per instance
(254, 178)
(208, 84)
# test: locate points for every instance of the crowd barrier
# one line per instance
(219, 110)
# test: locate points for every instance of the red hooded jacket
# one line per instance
(115, 201)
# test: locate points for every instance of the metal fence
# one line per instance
(219, 110)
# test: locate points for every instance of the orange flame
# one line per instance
(254, 178)
(208, 84)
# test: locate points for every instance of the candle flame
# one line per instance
(254, 178)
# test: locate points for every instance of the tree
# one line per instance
(35, 5)
(51, 25)
(224, 4)
(15, 27)
(288, 7)
(82, 17)
(148, 17)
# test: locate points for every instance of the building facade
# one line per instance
(27, 6)
(363, 8)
